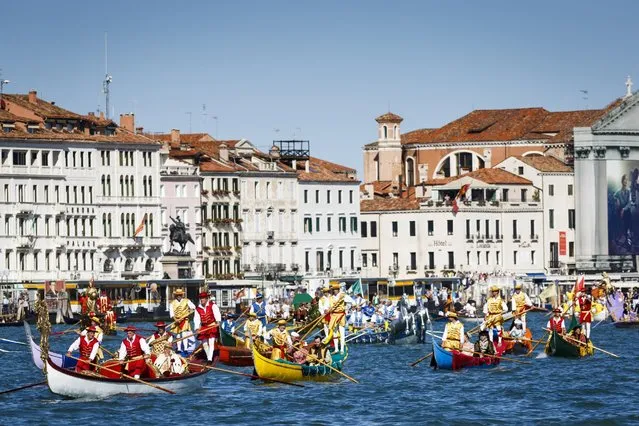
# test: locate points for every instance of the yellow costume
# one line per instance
(253, 328)
(180, 315)
(281, 340)
(495, 311)
(453, 333)
(338, 311)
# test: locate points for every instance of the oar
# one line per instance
(125, 375)
(593, 346)
(537, 344)
(208, 367)
(14, 341)
(521, 338)
(421, 359)
(474, 330)
(334, 369)
(24, 387)
(193, 334)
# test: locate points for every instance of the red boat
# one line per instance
(233, 354)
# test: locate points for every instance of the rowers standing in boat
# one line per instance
(494, 308)
(160, 340)
(88, 346)
(252, 329)
(135, 350)
(483, 346)
(453, 337)
(556, 323)
(110, 319)
(338, 318)
(584, 301)
(324, 306)
(259, 308)
(206, 320)
(179, 310)
(281, 340)
(520, 304)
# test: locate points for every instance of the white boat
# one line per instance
(58, 359)
(66, 382)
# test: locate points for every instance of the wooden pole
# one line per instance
(537, 344)
(24, 387)
(252, 376)
(126, 375)
(565, 336)
(334, 369)
(421, 359)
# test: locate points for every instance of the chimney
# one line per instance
(102, 115)
(175, 135)
(127, 121)
(139, 130)
(224, 152)
(307, 166)
(33, 96)
(294, 164)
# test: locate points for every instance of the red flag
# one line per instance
(455, 206)
(140, 228)
(580, 285)
(462, 191)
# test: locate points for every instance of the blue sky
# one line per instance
(318, 70)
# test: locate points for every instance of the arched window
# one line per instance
(151, 224)
(410, 172)
(395, 132)
(144, 185)
(150, 182)
(133, 224)
(149, 265)
(109, 185)
(385, 131)
(110, 228)
(128, 265)
(108, 266)
(103, 186)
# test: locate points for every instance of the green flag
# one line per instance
(356, 288)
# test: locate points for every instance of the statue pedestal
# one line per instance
(177, 266)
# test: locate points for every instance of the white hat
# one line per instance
(518, 321)
(295, 334)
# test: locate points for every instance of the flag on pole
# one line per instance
(140, 227)
(356, 288)
(460, 194)
(580, 285)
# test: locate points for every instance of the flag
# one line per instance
(580, 285)
(239, 294)
(548, 292)
(460, 194)
(455, 206)
(356, 288)
(140, 228)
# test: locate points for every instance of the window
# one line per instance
(364, 227)
(515, 230)
(497, 257)
(353, 225)
(306, 196)
(394, 228)
(551, 219)
(450, 227)
(35, 193)
(342, 224)
(504, 194)
(524, 193)
(431, 260)
(411, 228)
(571, 249)
(532, 228)
(571, 218)
(478, 227)
(515, 257)
(317, 224)
(340, 259)
(350, 196)
(45, 158)
(569, 189)
(317, 196)
(451, 259)
(328, 196)
(364, 260)
(373, 229)
(413, 261)
(551, 190)
(339, 196)
(395, 260)
(19, 158)
(520, 170)
(498, 236)
(431, 228)
(328, 224)
(374, 259)
(352, 260)
(532, 257)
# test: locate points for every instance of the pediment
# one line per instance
(622, 119)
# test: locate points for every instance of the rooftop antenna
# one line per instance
(107, 78)
(585, 96)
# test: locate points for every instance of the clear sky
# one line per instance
(318, 70)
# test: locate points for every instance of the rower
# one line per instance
(252, 329)
(483, 346)
(338, 317)
(317, 352)
(206, 319)
(556, 323)
(95, 322)
(179, 311)
(281, 340)
(299, 350)
(259, 308)
(159, 340)
(517, 332)
(494, 308)
(228, 324)
(520, 304)
(110, 319)
(578, 335)
(135, 349)
(453, 337)
(88, 346)
(169, 363)
(585, 311)
(324, 305)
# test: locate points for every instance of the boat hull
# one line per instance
(626, 324)
(558, 346)
(68, 383)
(236, 356)
(289, 372)
(58, 359)
(456, 360)
(519, 348)
(372, 337)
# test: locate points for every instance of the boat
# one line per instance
(627, 323)
(71, 320)
(287, 371)
(559, 346)
(233, 354)
(66, 382)
(519, 347)
(58, 359)
(456, 360)
(368, 336)
(10, 323)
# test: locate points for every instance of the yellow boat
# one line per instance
(290, 372)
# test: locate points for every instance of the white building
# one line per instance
(80, 195)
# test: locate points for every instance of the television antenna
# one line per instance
(107, 78)
(584, 93)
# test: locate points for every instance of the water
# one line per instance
(599, 389)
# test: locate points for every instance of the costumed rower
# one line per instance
(338, 317)
(88, 346)
(483, 346)
(556, 323)
(228, 325)
(493, 311)
(110, 319)
(517, 332)
(317, 351)
(259, 308)
(179, 311)
(160, 340)
(281, 340)
(103, 302)
(206, 320)
(585, 311)
(520, 302)
(169, 363)
(323, 306)
(95, 322)
(453, 337)
(134, 347)
(252, 329)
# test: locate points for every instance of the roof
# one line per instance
(324, 171)
(416, 135)
(546, 164)
(495, 177)
(557, 127)
(7, 117)
(41, 108)
(389, 204)
(389, 117)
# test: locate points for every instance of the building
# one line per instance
(79, 196)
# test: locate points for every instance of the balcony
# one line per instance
(138, 201)
(516, 238)
(554, 264)
(270, 237)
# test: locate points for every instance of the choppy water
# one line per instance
(599, 390)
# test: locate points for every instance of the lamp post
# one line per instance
(2, 83)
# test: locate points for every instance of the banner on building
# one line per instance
(562, 243)
(623, 212)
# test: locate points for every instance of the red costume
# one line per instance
(134, 350)
(83, 303)
(109, 318)
(557, 324)
(585, 305)
(207, 318)
(103, 303)
(85, 354)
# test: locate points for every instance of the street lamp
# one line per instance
(2, 83)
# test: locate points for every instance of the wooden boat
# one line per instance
(627, 324)
(369, 336)
(521, 347)
(10, 324)
(67, 382)
(58, 359)
(233, 354)
(559, 346)
(456, 360)
(290, 372)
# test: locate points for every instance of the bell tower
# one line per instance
(389, 147)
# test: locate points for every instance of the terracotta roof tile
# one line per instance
(41, 108)
(324, 171)
(546, 163)
(416, 135)
(389, 204)
(495, 177)
(389, 117)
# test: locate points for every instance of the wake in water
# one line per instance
(541, 355)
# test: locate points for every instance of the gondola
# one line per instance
(71, 320)
(627, 324)
(456, 360)
(58, 359)
(559, 346)
(233, 354)
(67, 382)
(290, 372)
(519, 347)
(10, 324)
(368, 336)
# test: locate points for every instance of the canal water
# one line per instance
(596, 390)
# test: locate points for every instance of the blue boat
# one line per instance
(456, 360)
(371, 336)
